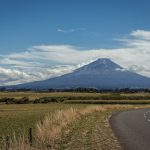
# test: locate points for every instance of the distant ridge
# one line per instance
(101, 74)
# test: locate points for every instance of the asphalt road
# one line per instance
(132, 129)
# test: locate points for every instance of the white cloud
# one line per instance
(66, 31)
(46, 61)
(70, 30)
(141, 34)
(16, 76)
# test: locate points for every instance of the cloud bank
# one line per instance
(46, 61)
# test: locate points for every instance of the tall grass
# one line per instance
(50, 129)
(14, 143)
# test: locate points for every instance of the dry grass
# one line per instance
(36, 95)
(86, 127)
(93, 132)
(50, 129)
(54, 126)
(14, 143)
(19, 118)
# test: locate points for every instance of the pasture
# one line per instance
(35, 95)
(88, 127)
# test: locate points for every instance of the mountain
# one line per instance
(100, 74)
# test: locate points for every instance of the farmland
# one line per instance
(35, 95)
(72, 97)
(88, 131)
(16, 118)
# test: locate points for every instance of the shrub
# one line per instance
(24, 100)
(10, 100)
(49, 100)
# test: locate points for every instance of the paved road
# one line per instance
(132, 129)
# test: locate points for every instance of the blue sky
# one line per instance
(95, 23)
(40, 39)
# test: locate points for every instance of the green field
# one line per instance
(19, 118)
(16, 118)
(91, 131)
(34, 95)
(74, 98)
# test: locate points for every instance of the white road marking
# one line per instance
(147, 116)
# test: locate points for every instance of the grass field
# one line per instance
(16, 118)
(89, 131)
(36, 95)
(19, 118)
(104, 102)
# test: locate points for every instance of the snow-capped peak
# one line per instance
(99, 66)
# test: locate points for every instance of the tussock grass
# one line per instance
(50, 129)
(91, 122)
(14, 143)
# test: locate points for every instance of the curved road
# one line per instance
(132, 128)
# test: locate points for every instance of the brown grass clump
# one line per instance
(50, 129)
(14, 143)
